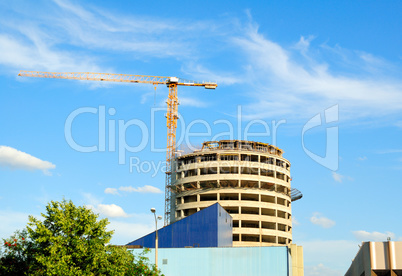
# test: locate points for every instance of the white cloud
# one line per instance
(15, 159)
(373, 236)
(144, 189)
(111, 210)
(295, 221)
(112, 191)
(283, 81)
(320, 270)
(362, 158)
(108, 210)
(319, 219)
(337, 177)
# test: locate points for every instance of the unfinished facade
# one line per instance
(250, 180)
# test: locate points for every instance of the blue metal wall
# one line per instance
(210, 227)
(224, 227)
(231, 261)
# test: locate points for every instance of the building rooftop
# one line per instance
(241, 145)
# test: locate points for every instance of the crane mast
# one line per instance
(171, 123)
(172, 107)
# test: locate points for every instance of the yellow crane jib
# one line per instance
(172, 105)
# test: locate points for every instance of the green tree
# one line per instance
(69, 240)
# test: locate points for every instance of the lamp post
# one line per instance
(153, 210)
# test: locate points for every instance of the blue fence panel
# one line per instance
(233, 261)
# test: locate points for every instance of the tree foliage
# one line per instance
(69, 240)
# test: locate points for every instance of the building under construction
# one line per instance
(228, 199)
(250, 180)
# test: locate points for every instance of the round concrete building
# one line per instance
(250, 180)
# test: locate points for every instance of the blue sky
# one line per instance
(315, 78)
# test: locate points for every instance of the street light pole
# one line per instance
(153, 210)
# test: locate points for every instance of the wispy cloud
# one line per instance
(373, 236)
(319, 219)
(205, 74)
(334, 262)
(11, 221)
(15, 159)
(398, 124)
(362, 158)
(34, 53)
(286, 79)
(186, 101)
(89, 26)
(302, 77)
(337, 177)
(129, 189)
(111, 191)
(144, 189)
(65, 38)
(125, 232)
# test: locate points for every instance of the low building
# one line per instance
(225, 261)
(377, 259)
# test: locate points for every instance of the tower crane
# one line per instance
(172, 105)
